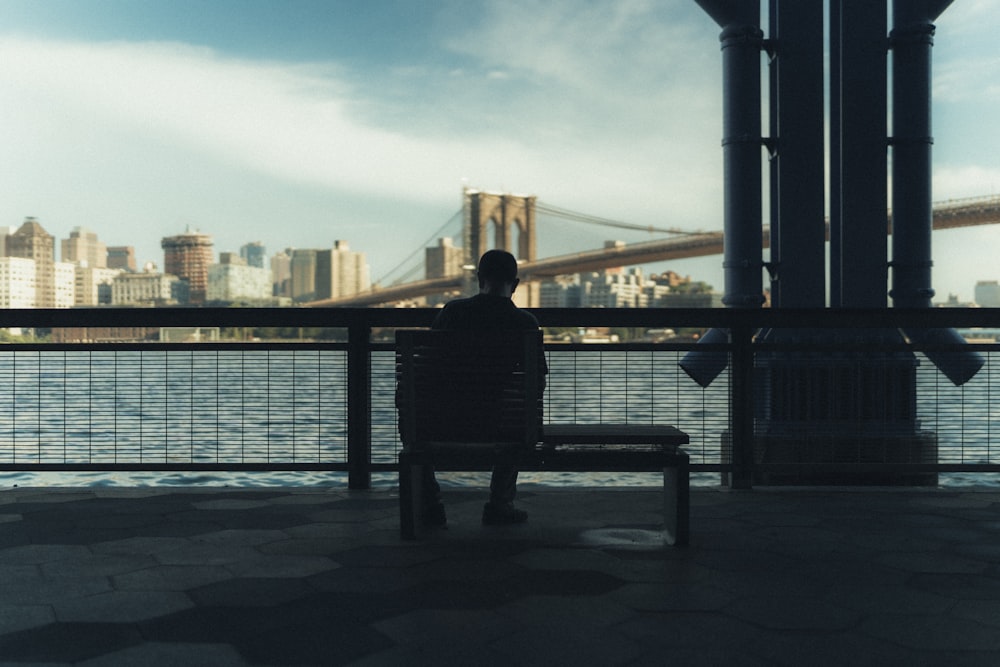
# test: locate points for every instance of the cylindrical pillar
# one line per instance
(911, 39)
(741, 143)
(742, 40)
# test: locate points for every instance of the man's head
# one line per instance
(497, 272)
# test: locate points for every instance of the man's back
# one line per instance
(484, 312)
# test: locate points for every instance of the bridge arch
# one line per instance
(511, 218)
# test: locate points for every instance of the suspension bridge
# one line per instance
(512, 219)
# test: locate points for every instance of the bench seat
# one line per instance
(565, 448)
(471, 400)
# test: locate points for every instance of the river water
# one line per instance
(291, 405)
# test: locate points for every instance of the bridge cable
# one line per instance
(605, 222)
(458, 215)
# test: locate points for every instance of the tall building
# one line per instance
(560, 292)
(281, 273)
(987, 293)
(122, 257)
(341, 272)
(232, 281)
(31, 241)
(5, 231)
(255, 254)
(302, 275)
(440, 261)
(613, 290)
(188, 257)
(93, 285)
(148, 288)
(17, 282)
(83, 248)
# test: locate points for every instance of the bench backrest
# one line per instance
(468, 387)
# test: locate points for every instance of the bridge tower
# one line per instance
(507, 214)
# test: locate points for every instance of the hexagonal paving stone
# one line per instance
(181, 655)
(67, 642)
(23, 617)
(121, 606)
(172, 577)
(281, 566)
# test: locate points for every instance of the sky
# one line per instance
(300, 122)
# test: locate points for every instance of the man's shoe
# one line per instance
(502, 514)
(434, 515)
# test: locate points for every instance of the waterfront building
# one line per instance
(254, 254)
(341, 272)
(235, 281)
(692, 299)
(122, 257)
(302, 275)
(148, 289)
(560, 292)
(93, 285)
(605, 289)
(655, 293)
(31, 241)
(281, 273)
(17, 282)
(987, 293)
(64, 285)
(84, 248)
(440, 261)
(5, 231)
(443, 260)
(188, 257)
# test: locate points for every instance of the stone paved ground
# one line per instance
(305, 577)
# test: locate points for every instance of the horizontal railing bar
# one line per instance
(174, 467)
(804, 318)
(173, 347)
(901, 468)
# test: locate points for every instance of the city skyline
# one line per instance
(299, 123)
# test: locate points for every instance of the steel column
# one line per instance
(798, 229)
(912, 38)
(858, 223)
(359, 389)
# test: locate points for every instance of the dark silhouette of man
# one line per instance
(490, 310)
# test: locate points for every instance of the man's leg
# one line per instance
(433, 507)
(503, 485)
(500, 509)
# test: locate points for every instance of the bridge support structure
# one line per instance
(511, 218)
(812, 407)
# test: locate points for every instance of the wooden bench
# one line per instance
(463, 400)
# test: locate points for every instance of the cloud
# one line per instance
(307, 124)
(968, 181)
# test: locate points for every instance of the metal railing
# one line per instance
(777, 410)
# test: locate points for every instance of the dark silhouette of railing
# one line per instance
(358, 364)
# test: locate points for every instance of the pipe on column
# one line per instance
(741, 40)
(912, 39)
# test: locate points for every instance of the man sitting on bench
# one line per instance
(490, 310)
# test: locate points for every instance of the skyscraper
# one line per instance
(255, 254)
(121, 257)
(302, 278)
(31, 241)
(83, 248)
(341, 272)
(188, 257)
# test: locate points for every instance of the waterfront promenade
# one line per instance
(297, 576)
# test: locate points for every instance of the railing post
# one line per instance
(359, 389)
(741, 404)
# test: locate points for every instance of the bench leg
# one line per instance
(677, 501)
(411, 497)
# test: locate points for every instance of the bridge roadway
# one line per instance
(947, 215)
